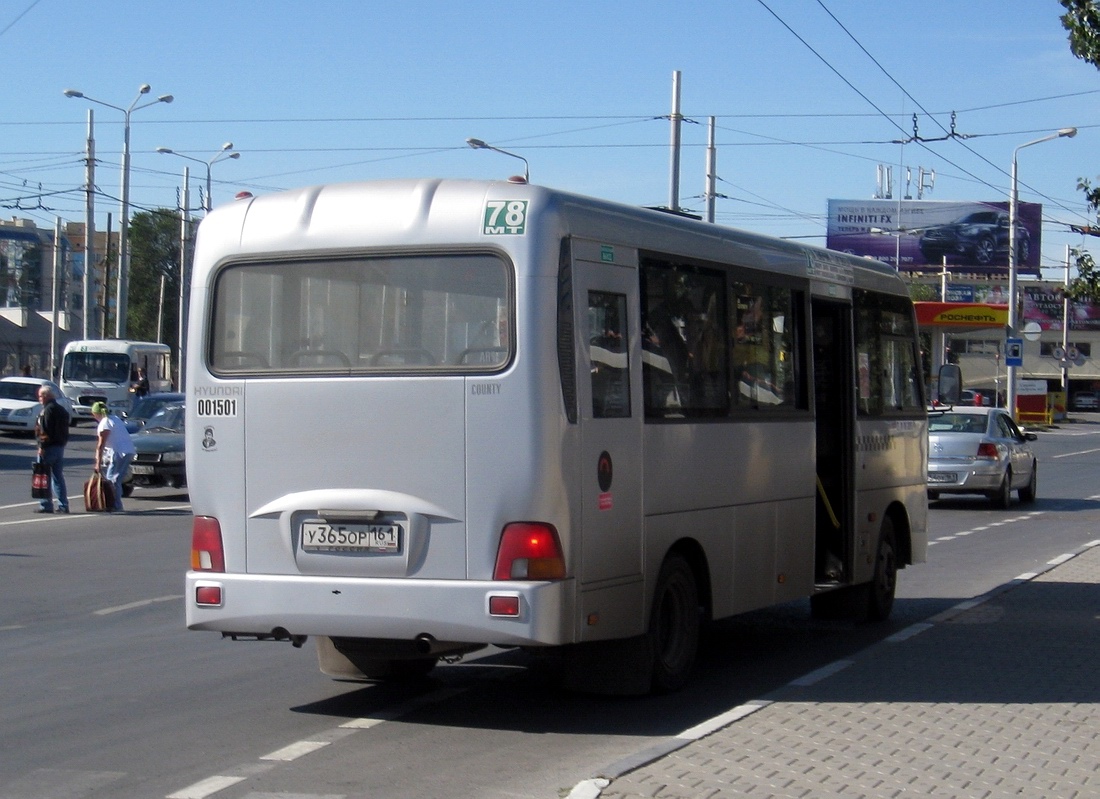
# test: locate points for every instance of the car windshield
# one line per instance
(169, 418)
(145, 407)
(19, 391)
(958, 423)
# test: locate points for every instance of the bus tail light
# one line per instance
(529, 551)
(207, 554)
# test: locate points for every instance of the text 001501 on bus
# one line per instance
(106, 370)
(461, 413)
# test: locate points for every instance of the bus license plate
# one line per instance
(321, 537)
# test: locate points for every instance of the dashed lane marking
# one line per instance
(139, 604)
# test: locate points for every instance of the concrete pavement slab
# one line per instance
(997, 697)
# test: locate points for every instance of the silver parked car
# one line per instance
(980, 451)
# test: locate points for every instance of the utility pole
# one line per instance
(54, 291)
(89, 231)
(185, 242)
(712, 170)
(106, 280)
(674, 146)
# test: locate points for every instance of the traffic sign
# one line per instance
(1014, 352)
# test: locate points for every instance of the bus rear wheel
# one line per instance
(674, 625)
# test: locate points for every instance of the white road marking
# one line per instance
(204, 788)
(139, 604)
(295, 750)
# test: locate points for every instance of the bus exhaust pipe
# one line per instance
(425, 644)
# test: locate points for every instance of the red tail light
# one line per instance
(987, 450)
(207, 554)
(529, 551)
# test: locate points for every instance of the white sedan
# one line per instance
(19, 405)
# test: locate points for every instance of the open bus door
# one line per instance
(834, 410)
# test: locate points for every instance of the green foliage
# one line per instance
(154, 251)
(1086, 286)
(1082, 20)
(923, 292)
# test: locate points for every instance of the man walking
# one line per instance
(52, 431)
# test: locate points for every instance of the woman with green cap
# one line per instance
(114, 449)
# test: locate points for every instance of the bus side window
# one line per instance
(607, 351)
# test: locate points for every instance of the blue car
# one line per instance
(145, 407)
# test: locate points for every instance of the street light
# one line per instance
(1013, 303)
(124, 217)
(224, 154)
(478, 144)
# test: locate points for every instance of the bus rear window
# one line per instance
(397, 314)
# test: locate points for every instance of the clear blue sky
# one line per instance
(331, 90)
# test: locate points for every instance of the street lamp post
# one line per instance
(122, 294)
(1013, 266)
(225, 153)
(478, 144)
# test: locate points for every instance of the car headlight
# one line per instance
(172, 457)
(24, 412)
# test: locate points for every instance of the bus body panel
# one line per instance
(453, 458)
(392, 608)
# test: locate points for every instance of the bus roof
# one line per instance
(430, 212)
(113, 345)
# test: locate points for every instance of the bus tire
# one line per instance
(884, 582)
(674, 625)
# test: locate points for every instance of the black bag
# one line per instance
(40, 481)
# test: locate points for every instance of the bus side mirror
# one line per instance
(949, 384)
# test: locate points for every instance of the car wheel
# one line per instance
(674, 625)
(983, 253)
(1002, 497)
(1027, 493)
(1023, 251)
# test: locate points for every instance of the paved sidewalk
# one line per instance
(996, 697)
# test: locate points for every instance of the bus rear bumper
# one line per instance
(286, 607)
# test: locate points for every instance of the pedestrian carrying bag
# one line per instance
(99, 494)
(40, 480)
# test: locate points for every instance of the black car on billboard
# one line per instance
(980, 238)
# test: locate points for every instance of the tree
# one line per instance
(154, 252)
(1082, 20)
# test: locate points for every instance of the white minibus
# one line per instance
(429, 416)
(106, 370)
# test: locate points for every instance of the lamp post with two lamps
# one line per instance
(122, 295)
(224, 154)
(1013, 258)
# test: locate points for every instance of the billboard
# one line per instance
(916, 235)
